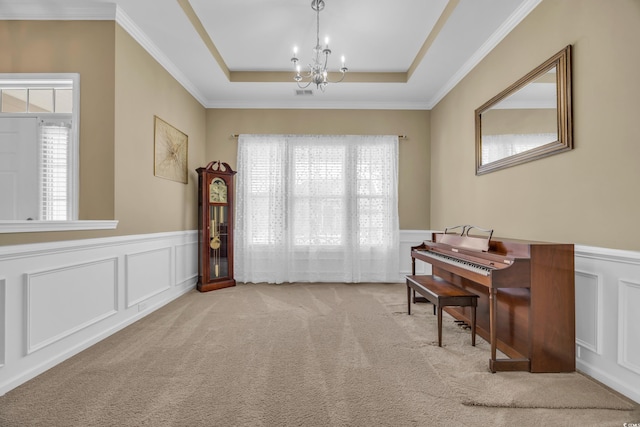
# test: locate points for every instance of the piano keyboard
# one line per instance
(467, 265)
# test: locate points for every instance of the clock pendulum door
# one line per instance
(215, 244)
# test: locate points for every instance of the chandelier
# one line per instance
(317, 72)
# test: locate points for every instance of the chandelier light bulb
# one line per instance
(317, 72)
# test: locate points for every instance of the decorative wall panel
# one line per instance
(589, 310)
(62, 301)
(629, 325)
(3, 321)
(148, 273)
(616, 358)
(186, 262)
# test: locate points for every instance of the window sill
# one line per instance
(39, 226)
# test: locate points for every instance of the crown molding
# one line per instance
(93, 11)
(143, 40)
(516, 17)
(43, 11)
(314, 105)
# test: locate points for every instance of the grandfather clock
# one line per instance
(215, 226)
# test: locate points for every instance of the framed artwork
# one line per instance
(170, 157)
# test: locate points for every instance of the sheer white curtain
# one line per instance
(316, 208)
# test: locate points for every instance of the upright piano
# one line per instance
(526, 304)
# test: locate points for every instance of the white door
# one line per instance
(19, 194)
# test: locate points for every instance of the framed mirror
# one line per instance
(529, 120)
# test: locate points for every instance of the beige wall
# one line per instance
(585, 196)
(414, 151)
(144, 202)
(121, 89)
(87, 48)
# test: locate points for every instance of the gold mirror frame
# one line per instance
(564, 142)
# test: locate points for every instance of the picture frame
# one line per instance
(170, 152)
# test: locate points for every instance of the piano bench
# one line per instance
(442, 294)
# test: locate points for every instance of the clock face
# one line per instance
(218, 191)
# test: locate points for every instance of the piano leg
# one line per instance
(473, 325)
(439, 325)
(493, 309)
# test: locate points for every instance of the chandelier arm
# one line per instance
(307, 74)
(303, 86)
(337, 81)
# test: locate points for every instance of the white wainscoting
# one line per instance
(103, 285)
(607, 317)
(3, 322)
(57, 299)
(70, 301)
(143, 282)
(409, 238)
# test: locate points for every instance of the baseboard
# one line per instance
(614, 382)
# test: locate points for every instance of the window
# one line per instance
(42, 185)
(317, 208)
(54, 170)
(20, 97)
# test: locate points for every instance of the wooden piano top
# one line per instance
(515, 248)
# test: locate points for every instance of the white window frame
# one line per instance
(22, 226)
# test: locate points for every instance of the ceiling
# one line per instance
(401, 54)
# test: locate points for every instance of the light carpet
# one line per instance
(475, 385)
(300, 355)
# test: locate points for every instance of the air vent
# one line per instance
(304, 92)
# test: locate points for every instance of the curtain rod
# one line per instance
(235, 135)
